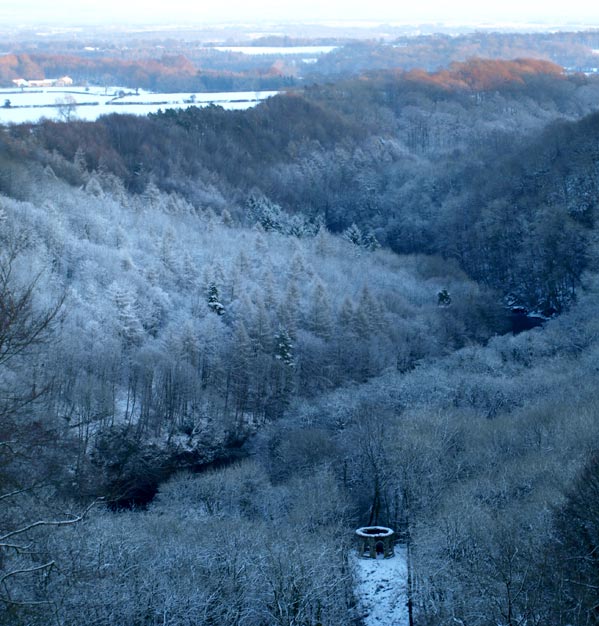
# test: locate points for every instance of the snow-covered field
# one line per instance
(381, 589)
(277, 50)
(32, 104)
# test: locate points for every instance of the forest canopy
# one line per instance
(223, 327)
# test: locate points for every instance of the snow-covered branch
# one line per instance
(39, 523)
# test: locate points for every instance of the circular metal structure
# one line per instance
(374, 541)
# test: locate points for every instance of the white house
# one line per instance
(64, 81)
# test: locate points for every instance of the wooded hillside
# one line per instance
(229, 338)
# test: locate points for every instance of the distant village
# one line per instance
(64, 81)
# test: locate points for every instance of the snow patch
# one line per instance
(374, 531)
(276, 50)
(381, 589)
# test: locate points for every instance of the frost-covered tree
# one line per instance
(370, 242)
(443, 298)
(353, 234)
(264, 212)
(214, 303)
(242, 358)
(320, 321)
(129, 326)
(284, 347)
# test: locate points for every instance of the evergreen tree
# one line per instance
(268, 282)
(188, 348)
(353, 234)
(241, 367)
(128, 323)
(289, 310)
(322, 243)
(370, 242)
(261, 328)
(443, 298)
(297, 267)
(264, 212)
(284, 347)
(167, 252)
(189, 272)
(282, 386)
(226, 218)
(368, 318)
(320, 321)
(214, 303)
(346, 314)
(242, 263)
(151, 197)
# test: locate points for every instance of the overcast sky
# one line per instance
(186, 11)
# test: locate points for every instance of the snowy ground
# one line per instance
(32, 104)
(277, 50)
(381, 589)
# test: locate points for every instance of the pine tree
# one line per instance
(188, 348)
(242, 263)
(284, 348)
(241, 367)
(226, 218)
(346, 314)
(298, 267)
(214, 303)
(321, 323)
(261, 328)
(167, 245)
(322, 244)
(189, 272)
(364, 314)
(260, 247)
(268, 282)
(370, 242)
(93, 187)
(443, 298)
(151, 196)
(129, 325)
(289, 310)
(264, 212)
(353, 234)
(282, 375)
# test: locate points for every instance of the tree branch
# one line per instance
(16, 492)
(39, 523)
(27, 570)
(577, 582)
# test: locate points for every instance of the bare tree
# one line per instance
(67, 108)
(21, 326)
(28, 446)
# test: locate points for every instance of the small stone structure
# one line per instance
(374, 541)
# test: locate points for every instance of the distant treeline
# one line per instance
(191, 66)
(170, 73)
(571, 50)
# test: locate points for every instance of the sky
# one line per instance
(215, 11)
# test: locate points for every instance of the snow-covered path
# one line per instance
(381, 589)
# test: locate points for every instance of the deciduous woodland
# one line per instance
(229, 338)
